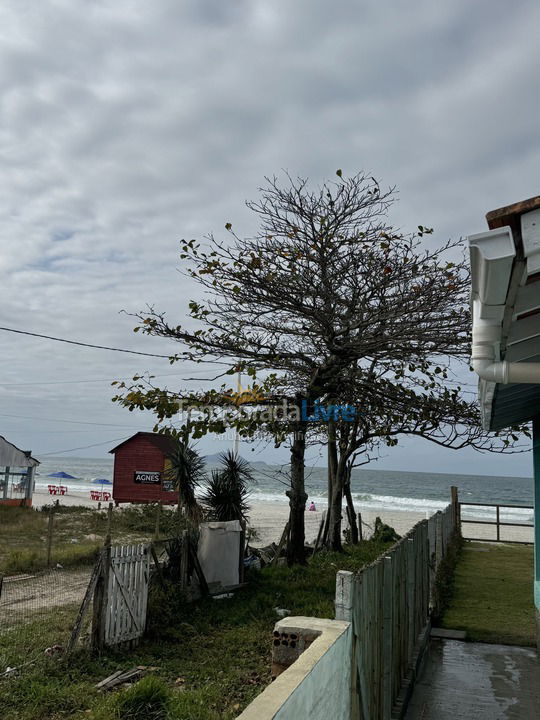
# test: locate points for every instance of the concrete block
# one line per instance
(289, 642)
(344, 595)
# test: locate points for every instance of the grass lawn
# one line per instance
(213, 656)
(493, 594)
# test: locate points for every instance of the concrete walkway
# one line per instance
(478, 681)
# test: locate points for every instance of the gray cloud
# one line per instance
(126, 126)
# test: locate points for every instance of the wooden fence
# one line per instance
(389, 604)
(126, 594)
(497, 522)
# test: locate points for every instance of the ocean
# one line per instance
(374, 490)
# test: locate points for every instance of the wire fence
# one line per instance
(46, 561)
(37, 612)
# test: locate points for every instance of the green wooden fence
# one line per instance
(389, 603)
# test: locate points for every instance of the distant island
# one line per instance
(214, 459)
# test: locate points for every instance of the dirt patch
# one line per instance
(22, 596)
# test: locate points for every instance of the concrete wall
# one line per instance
(317, 685)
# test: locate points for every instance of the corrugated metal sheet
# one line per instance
(11, 456)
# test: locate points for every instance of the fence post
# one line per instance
(455, 510)
(360, 533)
(344, 595)
(109, 524)
(101, 593)
(438, 540)
(158, 515)
(411, 597)
(50, 527)
(387, 650)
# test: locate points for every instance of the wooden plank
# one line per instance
(83, 608)
(282, 542)
(112, 610)
(198, 569)
(104, 682)
(509, 214)
(145, 579)
(439, 548)
(320, 531)
(101, 596)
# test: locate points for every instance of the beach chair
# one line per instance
(53, 489)
(62, 489)
(106, 496)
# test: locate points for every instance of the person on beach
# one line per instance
(312, 507)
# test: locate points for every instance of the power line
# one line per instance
(73, 422)
(95, 380)
(83, 447)
(83, 344)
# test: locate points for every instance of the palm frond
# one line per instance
(226, 496)
(187, 471)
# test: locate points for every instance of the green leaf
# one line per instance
(339, 173)
(228, 226)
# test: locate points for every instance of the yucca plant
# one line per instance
(187, 470)
(226, 496)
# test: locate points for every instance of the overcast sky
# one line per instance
(126, 125)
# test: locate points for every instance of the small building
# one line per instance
(140, 470)
(17, 469)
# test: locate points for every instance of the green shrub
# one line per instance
(149, 699)
(384, 533)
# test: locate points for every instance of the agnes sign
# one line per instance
(144, 477)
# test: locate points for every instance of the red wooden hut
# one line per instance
(140, 465)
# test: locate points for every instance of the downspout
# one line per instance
(486, 336)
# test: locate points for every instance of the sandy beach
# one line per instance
(268, 520)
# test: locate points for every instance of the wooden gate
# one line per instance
(121, 595)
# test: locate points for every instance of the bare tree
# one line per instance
(325, 285)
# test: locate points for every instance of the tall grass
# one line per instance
(149, 699)
(214, 655)
(78, 532)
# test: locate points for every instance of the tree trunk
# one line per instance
(335, 472)
(334, 536)
(296, 552)
(351, 512)
(331, 472)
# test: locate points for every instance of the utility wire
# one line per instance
(83, 344)
(83, 447)
(73, 422)
(95, 380)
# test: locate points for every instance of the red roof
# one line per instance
(165, 443)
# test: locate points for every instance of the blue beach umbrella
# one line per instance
(102, 481)
(62, 474)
